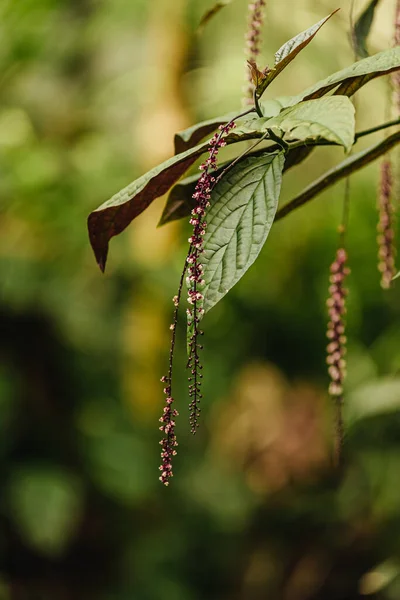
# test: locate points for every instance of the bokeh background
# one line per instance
(92, 92)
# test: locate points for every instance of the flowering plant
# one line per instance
(232, 206)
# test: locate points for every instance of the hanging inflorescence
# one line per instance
(336, 303)
(195, 281)
(168, 442)
(336, 348)
(395, 76)
(253, 43)
(385, 238)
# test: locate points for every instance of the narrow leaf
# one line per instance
(239, 221)
(112, 217)
(352, 78)
(210, 14)
(190, 137)
(362, 28)
(396, 276)
(290, 50)
(297, 43)
(340, 171)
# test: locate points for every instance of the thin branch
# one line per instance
(352, 164)
(238, 158)
(377, 128)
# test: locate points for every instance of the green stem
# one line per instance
(350, 165)
(377, 128)
(278, 140)
(238, 158)
(257, 104)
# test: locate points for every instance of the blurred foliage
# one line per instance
(92, 92)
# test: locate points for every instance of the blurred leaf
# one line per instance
(379, 578)
(340, 171)
(329, 118)
(210, 14)
(239, 221)
(289, 51)
(374, 398)
(46, 506)
(186, 139)
(362, 28)
(122, 466)
(112, 217)
(396, 276)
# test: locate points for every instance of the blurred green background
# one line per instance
(92, 92)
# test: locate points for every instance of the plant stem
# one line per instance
(352, 164)
(238, 158)
(377, 128)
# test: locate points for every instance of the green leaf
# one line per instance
(46, 506)
(112, 217)
(396, 276)
(329, 118)
(362, 28)
(186, 139)
(239, 221)
(180, 202)
(290, 50)
(210, 14)
(340, 171)
(352, 78)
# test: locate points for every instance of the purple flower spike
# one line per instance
(195, 281)
(385, 237)
(336, 304)
(253, 43)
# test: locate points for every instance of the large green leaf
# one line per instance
(186, 139)
(289, 51)
(329, 118)
(180, 202)
(362, 28)
(352, 78)
(340, 171)
(112, 217)
(238, 222)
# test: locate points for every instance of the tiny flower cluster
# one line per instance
(337, 309)
(385, 227)
(396, 74)
(168, 442)
(195, 281)
(253, 40)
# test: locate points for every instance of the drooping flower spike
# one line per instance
(386, 251)
(253, 43)
(336, 348)
(195, 281)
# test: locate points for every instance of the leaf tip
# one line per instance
(99, 247)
